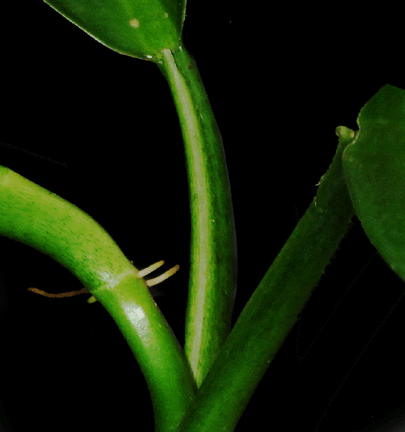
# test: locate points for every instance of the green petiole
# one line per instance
(34, 216)
(273, 308)
(213, 242)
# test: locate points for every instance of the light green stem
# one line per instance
(213, 242)
(32, 215)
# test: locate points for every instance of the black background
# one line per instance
(100, 130)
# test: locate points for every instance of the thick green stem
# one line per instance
(273, 308)
(41, 219)
(213, 242)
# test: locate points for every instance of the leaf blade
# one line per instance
(137, 28)
(374, 168)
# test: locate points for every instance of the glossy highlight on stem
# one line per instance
(34, 216)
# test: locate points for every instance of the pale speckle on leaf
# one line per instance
(134, 23)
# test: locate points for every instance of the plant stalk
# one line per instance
(213, 264)
(34, 216)
(272, 310)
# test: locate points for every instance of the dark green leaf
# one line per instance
(374, 167)
(137, 28)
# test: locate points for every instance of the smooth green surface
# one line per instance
(213, 264)
(162, 361)
(34, 216)
(137, 28)
(39, 218)
(374, 166)
(273, 308)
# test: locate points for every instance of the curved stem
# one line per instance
(34, 216)
(213, 242)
